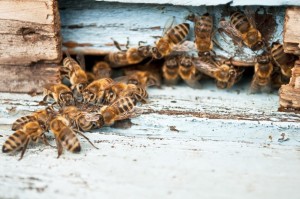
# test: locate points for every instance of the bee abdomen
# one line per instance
(19, 123)
(178, 33)
(69, 140)
(14, 142)
(124, 104)
(240, 22)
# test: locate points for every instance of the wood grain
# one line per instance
(30, 32)
(291, 37)
(24, 79)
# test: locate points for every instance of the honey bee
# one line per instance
(101, 70)
(31, 131)
(65, 137)
(242, 29)
(173, 36)
(203, 32)
(82, 120)
(128, 57)
(94, 92)
(170, 70)
(142, 79)
(262, 74)
(122, 108)
(284, 60)
(40, 115)
(188, 72)
(61, 94)
(225, 75)
(119, 89)
(75, 73)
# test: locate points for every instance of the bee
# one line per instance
(31, 131)
(284, 60)
(242, 29)
(65, 137)
(173, 36)
(75, 73)
(203, 32)
(122, 108)
(61, 94)
(263, 69)
(142, 79)
(128, 57)
(170, 70)
(101, 70)
(119, 89)
(188, 72)
(94, 92)
(42, 115)
(82, 120)
(225, 75)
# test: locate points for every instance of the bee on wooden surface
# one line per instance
(142, 78)
(203, 31)
(170, 70)
(225, 75)
(173, 36)
(242, 29)
(82, 120)
(40, 115)
(94, 92)
(122, 108)
(31, 131)
(65, 137)
(75, 73)
(284, 60)
(188, 72)
(263, 69)
(128, 57)
(120, 89)
(61, 94)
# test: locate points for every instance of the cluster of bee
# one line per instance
(79, 108)
(272, 66)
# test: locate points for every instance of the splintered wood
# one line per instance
(290, 93)
(30, 32)
(291, 37)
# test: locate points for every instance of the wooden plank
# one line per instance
(165, 155)
(30, 32)
(24, 79)
(291, 34)
(87, 27)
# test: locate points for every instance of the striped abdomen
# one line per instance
(19, 123)
(123, 105)
(69, 63)
(240, 22)
(178, 33)
(69, 140)
(204, 26)
(15, 141)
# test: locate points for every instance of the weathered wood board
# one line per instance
(172, 151)
(88, 26)
(30, 32)
(291, 37)
(25, 79)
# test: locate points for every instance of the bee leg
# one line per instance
(254, 87)
(24, 148)
(80, 133)
(59, 147)
(141, 42)
(127, 43)
(117, 45)
(44, 101)
(45, 141)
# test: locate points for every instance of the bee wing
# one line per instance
(168, 25)
(135, 112)
(122, 79)
(205, 68)
(91, 117)
(250, 16)
(80, 58)
(233, 33)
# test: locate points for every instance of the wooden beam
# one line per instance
(30, 32)
(25, 79)
(291, 33)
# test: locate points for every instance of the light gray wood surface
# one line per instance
(173, 150)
